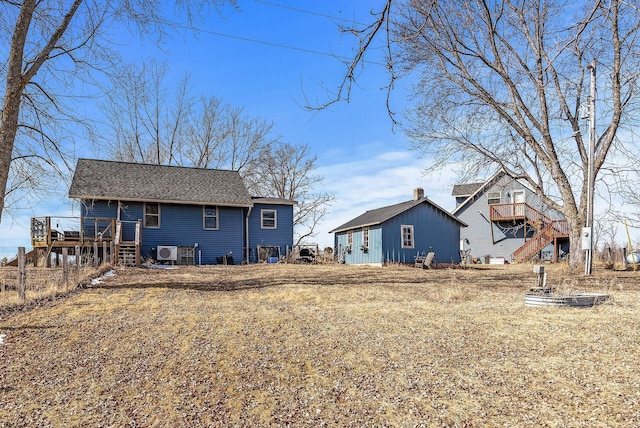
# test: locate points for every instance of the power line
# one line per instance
(247, 39)
(263, 42)
(309, 12)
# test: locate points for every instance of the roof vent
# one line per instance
(418, 193)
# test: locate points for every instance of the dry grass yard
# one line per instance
(323, 345)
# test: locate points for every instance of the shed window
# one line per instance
(365, 237)
(407, 236)
(152, 214)
(269, 219)
(349, 239)
(493, 198)
(210, 217)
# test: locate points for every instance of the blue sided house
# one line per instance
(400, 233)
(178, 214)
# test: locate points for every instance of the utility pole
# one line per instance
(590, 172)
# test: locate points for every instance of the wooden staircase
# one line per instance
(128, 251)
(548, 230)
(545, 236)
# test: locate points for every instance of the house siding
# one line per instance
(357, 255)
(433, 230)
(281, 236)
(180, 225)
(478, 238)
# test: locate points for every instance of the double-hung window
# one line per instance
(152, 214)
(210, 218)
(407, 236)
(269, 219)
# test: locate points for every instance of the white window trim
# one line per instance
(365, 232)
(144, 209)
(275, 219)
(519, 192)
(413, 237)
(204, 218)
(349, 239)
(494, 193)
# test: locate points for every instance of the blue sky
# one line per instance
(273, 58)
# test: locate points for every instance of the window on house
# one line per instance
(493, 198)
(269, 219)
(365, 237)
(152, 214)
(210, 217)
(407, 236)
(349, 239)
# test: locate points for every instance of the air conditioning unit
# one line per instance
(167, 252)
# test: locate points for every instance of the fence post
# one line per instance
(22, 276)
(104, 252)
(96, 260)
(112, 252)
(65, 265)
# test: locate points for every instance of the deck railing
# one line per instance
(47, 230)
(548, 229)
(518, 210)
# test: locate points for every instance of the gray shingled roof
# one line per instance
(274, 201)
(108, 180)
(380, 215)
(465, 189)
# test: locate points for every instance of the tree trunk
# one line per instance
(13, 92)
(576, 254)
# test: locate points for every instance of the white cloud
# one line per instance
(380, 180)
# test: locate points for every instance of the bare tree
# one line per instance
(153, 123)
(49, 46)
(146, 116)
(286, 171)
(206, 134)
(246, 139)
(211, 134)
(503, 84)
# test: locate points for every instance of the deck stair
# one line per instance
(547, 230)
(547, 235)
(127, 254)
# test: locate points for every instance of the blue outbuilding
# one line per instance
(400, 233)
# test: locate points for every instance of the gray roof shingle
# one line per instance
(465, 189)
(109, 180)
(380, 215)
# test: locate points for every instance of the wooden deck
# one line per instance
(97, 238)
(547, 230)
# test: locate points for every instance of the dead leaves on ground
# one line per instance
(321, 345)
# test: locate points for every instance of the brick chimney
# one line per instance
(418, 193)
